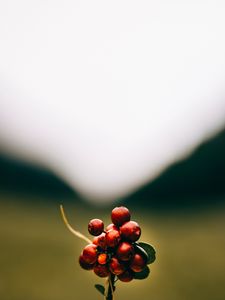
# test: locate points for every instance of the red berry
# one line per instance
(111, 226)
(101, 270)
(84, 264)
(112, 238)
(116, 267)
(90, 254)
(125, 251)
(120, 215)
(126, 276)
(95, 240)
(131, 231)
(100, 240)
(137, 263)
(102, 258)
(95, 227)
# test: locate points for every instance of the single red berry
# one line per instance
(130, 231)
(125, 251)
(100, 240)
(90, 254)
(102, 258)
(138, 263)
(120, 215)
(101, 270)
(112, 238)
(95, 240)
(116, 267)
(95, 227)
(111, 226)
(84, 264)
(126, 276)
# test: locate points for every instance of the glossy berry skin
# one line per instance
(100, 240)
(120, 215)
(111, 226)
(127, 276)
(125, 251)
(84, 265)
(90, 254)
(116, 267)
(138, 263)
(130, 231)
(95, 240)
(112, 238)
(101, 270)
(102, 258)
(95, 227)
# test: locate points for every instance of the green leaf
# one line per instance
(149, 249)
(100, 288)
(143, 274)
(141, 251)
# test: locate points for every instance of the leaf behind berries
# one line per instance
(141, 251)
(143, 274)
(100, 288)
(149, 249)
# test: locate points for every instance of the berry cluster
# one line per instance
(115, 251)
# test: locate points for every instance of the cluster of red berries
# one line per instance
(114, 250)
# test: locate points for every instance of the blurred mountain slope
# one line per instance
(20, 177)
(199, 179)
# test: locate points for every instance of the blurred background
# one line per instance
(105, 104)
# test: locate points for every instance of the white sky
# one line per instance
(109, 93)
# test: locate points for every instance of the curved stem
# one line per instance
(76, 233)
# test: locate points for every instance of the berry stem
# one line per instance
(111, 287)
(75, 232)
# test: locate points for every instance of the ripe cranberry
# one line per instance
(112, 238)
(116, 267)
(95, 240)
(95, 227)
(100, 240)
(126, 276)
(137, 263)
(84, 264)
(90, 254)
(120, 215)
(101, 270)
(131, 231)
(125, 251)
(102, 258)
(111, 226)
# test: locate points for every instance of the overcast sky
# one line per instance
(109, 93)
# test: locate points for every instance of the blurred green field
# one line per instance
(38, 256)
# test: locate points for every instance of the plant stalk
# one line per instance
(111, 287)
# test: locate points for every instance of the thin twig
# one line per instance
(109, 291)
(76, 233)
(106, 283)
(111, 286)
